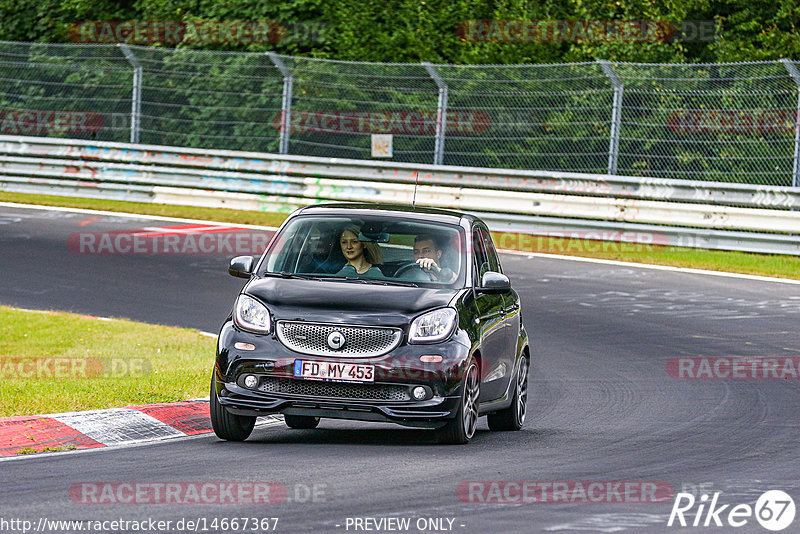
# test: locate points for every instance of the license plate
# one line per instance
(334, 371)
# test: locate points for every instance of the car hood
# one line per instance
(345, 302)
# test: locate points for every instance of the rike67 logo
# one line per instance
(774, 510)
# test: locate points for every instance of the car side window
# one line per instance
(494, 261)
(479, 253)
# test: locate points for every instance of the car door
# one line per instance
(511, 311)
(490, 324)
(506, 355)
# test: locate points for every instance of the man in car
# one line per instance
(428, 255)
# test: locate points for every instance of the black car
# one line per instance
(371, 313)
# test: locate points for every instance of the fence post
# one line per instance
(136, 97)
(286, 103)
(441, 113)
(793, 72)
(616, 115)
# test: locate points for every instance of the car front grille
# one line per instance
(333, 390)
(360, 341)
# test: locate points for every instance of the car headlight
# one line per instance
(250, 314)
(433, 326)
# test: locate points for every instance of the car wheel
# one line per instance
(461, 429)
(301, 421)
(513, 417)
(226, 425)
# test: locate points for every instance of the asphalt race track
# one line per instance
(602, 406)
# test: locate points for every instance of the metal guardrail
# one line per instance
(89, 154)
(682, 213)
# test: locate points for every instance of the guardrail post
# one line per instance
(793, 72)
(136, 97)
(286, 103)
(616, 115)
(441, 113)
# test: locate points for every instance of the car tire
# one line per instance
(305, 422)
(513, 417)
(460, 430)
(226, 425)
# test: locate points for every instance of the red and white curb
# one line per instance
(107, 428)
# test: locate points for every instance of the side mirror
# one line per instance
(241, 267)
(493, 282)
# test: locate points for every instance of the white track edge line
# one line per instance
(687, 270)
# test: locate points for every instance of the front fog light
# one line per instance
(419, 393)
(250, 381)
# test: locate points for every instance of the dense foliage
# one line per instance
(428, 30)
(682, 120)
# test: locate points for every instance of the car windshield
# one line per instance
(373, 249)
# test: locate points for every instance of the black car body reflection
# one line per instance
(375, 314)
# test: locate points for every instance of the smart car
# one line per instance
(373, 313)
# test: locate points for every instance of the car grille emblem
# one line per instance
(356, 341)
(336, 340)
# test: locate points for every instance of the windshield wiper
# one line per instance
(404, 283)
(348, 279)
(379, 281)
(286, 274)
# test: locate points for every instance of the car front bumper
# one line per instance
(387, 399)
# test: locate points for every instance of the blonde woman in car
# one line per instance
(361, 256)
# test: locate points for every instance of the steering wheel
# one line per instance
(413, 267)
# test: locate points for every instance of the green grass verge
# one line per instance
(163, 210)
(715, 260)
(56, 362)
(29, 450)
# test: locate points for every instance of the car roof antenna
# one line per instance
(416, 183)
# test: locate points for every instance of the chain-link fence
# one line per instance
(735, 122)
